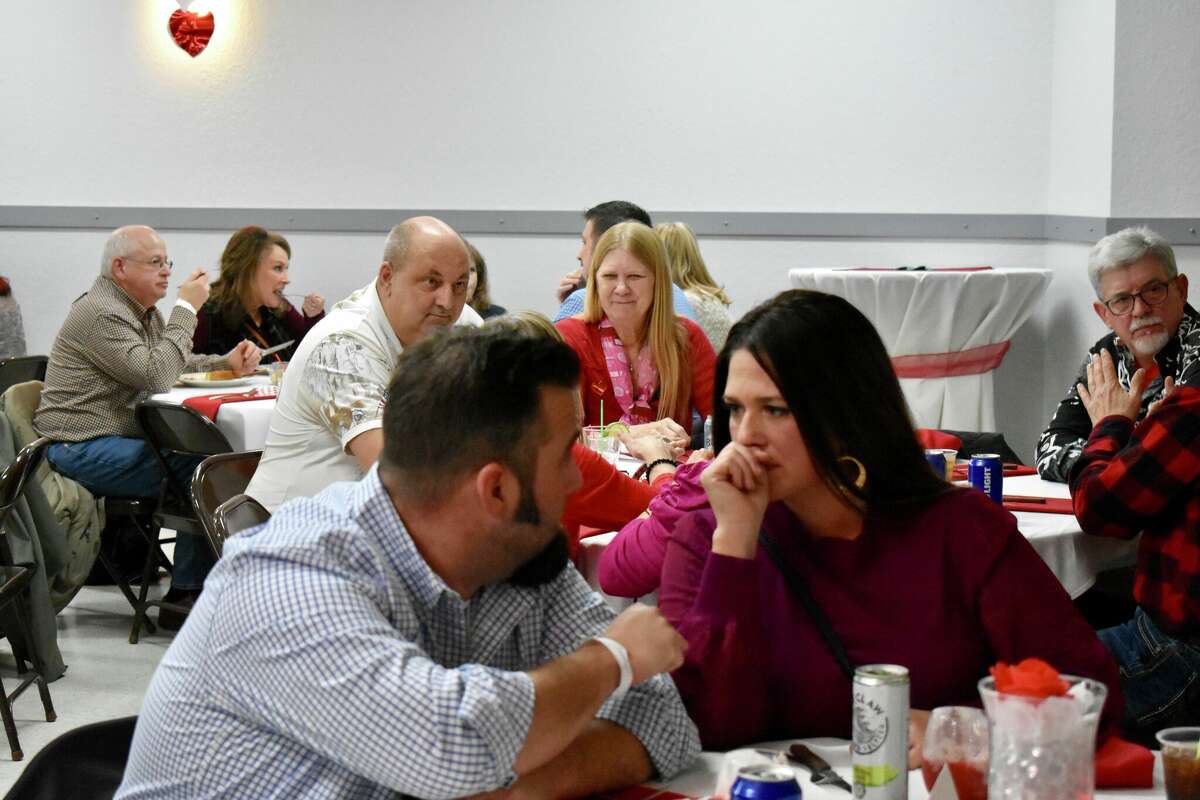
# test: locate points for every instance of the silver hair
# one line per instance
(1126, 246)
(120, 244)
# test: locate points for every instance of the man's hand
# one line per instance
(736, 485)
(654, 645)
(918, 721)
(569, 283)
(1104, 396)
(313, 304)
(243, 359)
(1168, 388)
(647, 448)
(195, 289)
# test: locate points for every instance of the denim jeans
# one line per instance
(121, 466)
(1159, 676)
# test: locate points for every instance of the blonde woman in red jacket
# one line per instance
(650, 368)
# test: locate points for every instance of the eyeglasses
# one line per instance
(1152, 294)
(155, 263)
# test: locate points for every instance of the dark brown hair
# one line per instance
(233, 291)
(831, 367)
(481, 301)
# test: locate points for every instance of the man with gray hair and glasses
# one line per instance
(114, 350)
(1155, 337)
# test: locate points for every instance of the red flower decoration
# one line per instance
(1031, 678)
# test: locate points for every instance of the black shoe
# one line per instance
(168, 618)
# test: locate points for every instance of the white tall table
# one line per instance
(942, 327)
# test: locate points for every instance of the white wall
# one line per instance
(686, 104)
(1156, 153)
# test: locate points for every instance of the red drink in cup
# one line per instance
(970, 780)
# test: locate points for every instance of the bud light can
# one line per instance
(937, 462)
(879, 753)
(986, 473)
(765, 782)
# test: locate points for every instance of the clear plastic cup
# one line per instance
(1181, 762)
(608, 446)
(275, 372)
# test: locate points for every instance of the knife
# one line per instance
(278, 347)
(822, 773)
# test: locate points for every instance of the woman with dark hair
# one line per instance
(479, 296)
(247, 300)
(821, 505)
(12, 330)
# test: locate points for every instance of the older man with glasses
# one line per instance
(113, 350)
(1155, 338)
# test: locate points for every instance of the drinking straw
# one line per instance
(601, 416)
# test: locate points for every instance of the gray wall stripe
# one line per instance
(771, 224)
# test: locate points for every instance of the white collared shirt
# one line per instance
(334, 389)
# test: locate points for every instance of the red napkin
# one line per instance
(1010, 471)
(1123, 765)
(210, 404)
(932, 439)
(1040, 505)
(642, 793)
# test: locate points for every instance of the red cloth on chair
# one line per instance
(932, 439)
(210, 404)
(1123, 765)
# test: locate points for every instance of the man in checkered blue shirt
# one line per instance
(419, 631)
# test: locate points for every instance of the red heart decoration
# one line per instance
(191, 31)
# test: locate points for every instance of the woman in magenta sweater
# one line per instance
(649, 368)
(819, 473)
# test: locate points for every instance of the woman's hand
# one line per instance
(918, 721)
(647, 448)
(669, 430)
(313, 304)
(736, 485)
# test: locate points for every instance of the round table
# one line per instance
(244, 424)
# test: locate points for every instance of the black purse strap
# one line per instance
(832, 640)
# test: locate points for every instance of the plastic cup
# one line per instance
(609, 447)
(275, 372)
(1181, 766)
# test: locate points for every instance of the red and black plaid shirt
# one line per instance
(1147, 479)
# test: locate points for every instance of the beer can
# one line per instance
(937, 462)
(986, 473)
(765, 782)
(880, 728)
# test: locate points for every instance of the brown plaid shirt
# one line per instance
(110, 354)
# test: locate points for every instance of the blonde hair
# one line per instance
(664, 334)
(688, 269)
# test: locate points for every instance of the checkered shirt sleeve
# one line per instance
(1144, 479)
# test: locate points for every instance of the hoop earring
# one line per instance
(860, 480)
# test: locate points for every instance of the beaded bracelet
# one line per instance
(656, 462)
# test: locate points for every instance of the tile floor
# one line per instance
(106, 676)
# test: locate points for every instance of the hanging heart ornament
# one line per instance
(191, 31)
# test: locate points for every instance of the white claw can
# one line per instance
(880, 729)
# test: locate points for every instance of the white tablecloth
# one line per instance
(931, 312)
(244, 424)
(700, 780)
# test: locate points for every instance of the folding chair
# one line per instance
(86, 763)
(19, 369)
(217, 479)
(237, 514)
(14, 584)
(172, 429)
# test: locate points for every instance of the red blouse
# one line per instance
(596, 385)
(607, 499)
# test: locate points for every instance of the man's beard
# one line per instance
(549, 563)
(1148, 345)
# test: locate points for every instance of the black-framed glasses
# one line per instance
(155, 263)
(1152, 294)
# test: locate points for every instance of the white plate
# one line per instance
(198, 380)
